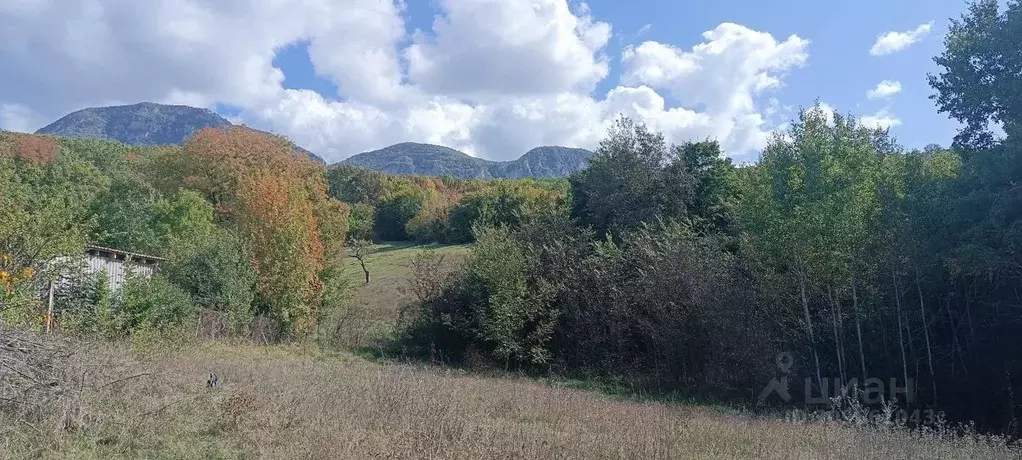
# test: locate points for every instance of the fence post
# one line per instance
(49, 309)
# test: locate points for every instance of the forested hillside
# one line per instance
(435, 160)
(245, 223)
(145, 123)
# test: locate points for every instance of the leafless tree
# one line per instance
(359, 249)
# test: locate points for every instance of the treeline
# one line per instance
(427, 209)
(245, 223)
(675, 270)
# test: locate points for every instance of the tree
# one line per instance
(278, 200)
(395, 211)
(714, 201)
(631, 179)
(808, 210)
(359, 250)
(215, 270)
(44, 198)
(360, 224)
(982, 73)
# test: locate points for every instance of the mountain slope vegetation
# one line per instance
(435, 160)
(142, 124)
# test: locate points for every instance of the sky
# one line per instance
(492, 78)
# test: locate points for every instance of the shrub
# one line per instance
(495, 304)
(217, 275)
(152, 303)
(360, 222)
(83, 302)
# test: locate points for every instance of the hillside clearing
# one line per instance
(374, 307)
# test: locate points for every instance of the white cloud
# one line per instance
(723, 73)
(643, 30)
(882, 119)
(500, 47)
(892, 42)
(493, 78)
(722, 77)
(884, 89)
(16, 117)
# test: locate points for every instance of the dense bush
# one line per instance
(393, 214)
(548, 296)
(217, 274)
(152, 303)
(83, 302)
(361, 220)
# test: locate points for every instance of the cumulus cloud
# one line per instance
(884, 89)
(16, 117)
(499, 47)
(733, 64)
(722, 76)
(490, 77)
(882, 119)
(892, 42)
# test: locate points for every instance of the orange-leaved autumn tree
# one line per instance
(277, 199)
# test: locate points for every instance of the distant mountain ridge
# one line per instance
(145, 123)
(435, 160)
(148, 123)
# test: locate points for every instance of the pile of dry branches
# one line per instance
(43, 379)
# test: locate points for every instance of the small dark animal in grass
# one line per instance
(213, 381)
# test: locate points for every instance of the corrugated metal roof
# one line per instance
(123, 253)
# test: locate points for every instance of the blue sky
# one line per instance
(363, 74)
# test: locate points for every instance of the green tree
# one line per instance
(215, 271)
(152, 303)
(360, 223)
(394, 212)
(44, 194)
(982, 71)
(631, 179)
(714, 201)
(808, 210)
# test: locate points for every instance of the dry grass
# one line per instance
(296, 402)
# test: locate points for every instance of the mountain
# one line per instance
(546, 161)
(145, 123)
(423, 159)
(435, 160)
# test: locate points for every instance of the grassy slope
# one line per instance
(375, 307)
(303, 402)
(295, 402)
(390, 266)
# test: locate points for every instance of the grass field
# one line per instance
(375, 306)
(148, 398)
(294, 402)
